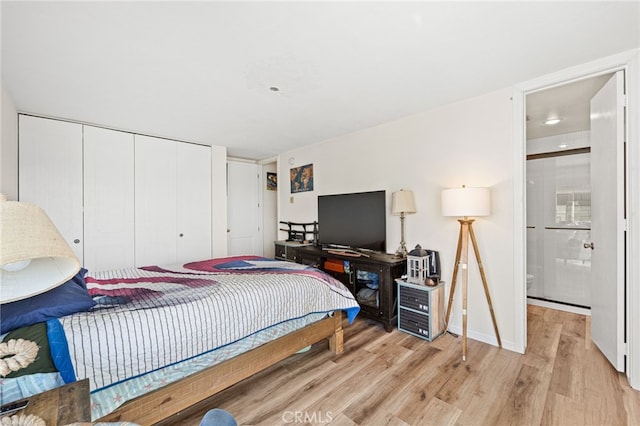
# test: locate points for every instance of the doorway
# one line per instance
(575, 192)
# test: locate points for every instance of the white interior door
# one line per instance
(607, 220)
(243, 209)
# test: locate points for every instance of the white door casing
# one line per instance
(607, 220)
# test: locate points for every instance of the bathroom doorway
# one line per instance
(558, 176)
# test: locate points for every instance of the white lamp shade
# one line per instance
(466, 202)
(403, 202)
(30, 240)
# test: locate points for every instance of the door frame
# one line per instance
(628, 61)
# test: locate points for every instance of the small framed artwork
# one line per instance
(302, 178)
(272, 181)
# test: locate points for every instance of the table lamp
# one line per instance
(34, 257)
(465, 203)
(402, 203)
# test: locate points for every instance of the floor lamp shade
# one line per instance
(34, 257)
(466, 202)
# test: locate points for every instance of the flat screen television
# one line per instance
(355, 220)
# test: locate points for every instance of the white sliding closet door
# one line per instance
(193, 202)
(155, 201)
(50, 173)
(108, 199)
(173, 201)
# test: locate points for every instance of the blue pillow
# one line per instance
(69, 298)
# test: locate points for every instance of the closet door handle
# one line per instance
(588, 245)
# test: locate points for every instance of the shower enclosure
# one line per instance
(559, 227)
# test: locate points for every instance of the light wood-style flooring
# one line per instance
(398, 379)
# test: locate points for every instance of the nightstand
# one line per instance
(61, 406)
(421, 309)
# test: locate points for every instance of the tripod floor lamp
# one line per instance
(465, 203)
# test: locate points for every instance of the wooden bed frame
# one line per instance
(175, 397)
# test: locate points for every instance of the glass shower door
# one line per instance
(558, 227)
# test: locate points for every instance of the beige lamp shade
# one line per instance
(34, 257)
(402, 202)
(466, 202)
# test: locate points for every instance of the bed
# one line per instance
(158, 339)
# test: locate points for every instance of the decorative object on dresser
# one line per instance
(402, 203)
(420, 309)
(34, 257)
(423, 266)
(300, 231)
(464, 203)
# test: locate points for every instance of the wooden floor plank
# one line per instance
(493, 391)
(526, 402)
(604, 397)
(568, 376)
(561, 411)
(437, 413)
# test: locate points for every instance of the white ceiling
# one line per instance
(570, 103)
(202, 71)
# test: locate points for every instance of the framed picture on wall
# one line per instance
(272, 181)
(302, 178)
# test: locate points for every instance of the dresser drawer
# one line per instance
(414, 323)
(413, 298)
(280, 251)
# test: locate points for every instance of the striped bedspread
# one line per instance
(152, 317)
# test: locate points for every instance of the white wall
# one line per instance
(469, 142)
(9, 147)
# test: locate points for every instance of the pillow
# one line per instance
(69, 298)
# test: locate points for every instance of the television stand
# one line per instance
(369, 277)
